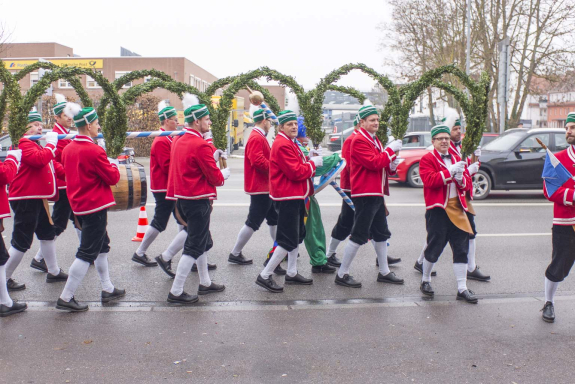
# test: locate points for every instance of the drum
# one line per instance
(132, 189)
(326, 179)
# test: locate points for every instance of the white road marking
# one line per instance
(511, 234)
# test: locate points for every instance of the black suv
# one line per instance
(515, 160)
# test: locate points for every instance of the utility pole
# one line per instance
(503, 81)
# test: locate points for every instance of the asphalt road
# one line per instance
(318, 333)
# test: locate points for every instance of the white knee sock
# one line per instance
(550, 289)
(349, 253)
(381, 252)
(48, 249)
(149, 237)
(76, 274)
(471, 256)
(273, 231)
(184, 267)
(275, 260)
(460, 271)
(4, 296)
(101, 264)
(333, 243)
(292, 262)
(202, 264)
(79, 234)
(243, 237)
(39, 255)
(13, 261)
(180, 227)
(427, 268)
(175, 246)
(422, 255)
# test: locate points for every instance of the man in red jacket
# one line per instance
(370, 166)
(193, 179)
(563, 231)
(8, 171)
(89, 175)
(445, 183)
(290, 183)
(62, 212)
(159, 170)
(29, 191)
(256, 184)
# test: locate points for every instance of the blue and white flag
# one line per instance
(554, 173)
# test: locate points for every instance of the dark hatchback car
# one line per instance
(515, 160)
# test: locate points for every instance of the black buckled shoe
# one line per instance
(211, 267)
(13, 285)
(61, 276)
(419, 268)
(390, 260)
(213, 288)
(468, 296)
(184, 299)
(389, 278)
(298, 280)
(347, 281)
(39, 265)
(166, 266)
(116, 294)
(278, 270)
(326, 268)
(15, 308)
(71, 306)
(269, 284)
(548, 312)
(144, 260)
(333, 261)
(239, 259)
(477, 275)
(426, 289)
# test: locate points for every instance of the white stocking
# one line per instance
(101, 264)
(381, 252)
(184, 267)
(149, 237)
(48, 249)
(76, 274)
(427, 268)
(274, 261)
(292, 262)
(471, 256)
(422, 255)
(460, 271)
(175, 246)
(202, 264)
(13, 261)
(243, 237)
(273, 231)
(349, 254)
(550, 289)
(4, 296)
(333, 243)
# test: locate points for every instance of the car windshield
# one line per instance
(506, 142)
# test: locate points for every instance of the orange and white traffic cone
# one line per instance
(142, 225)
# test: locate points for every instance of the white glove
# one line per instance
(316, 152)
(52, 138)
(207, 135)
(225, 173)
(395, 145)
(394, 164)
(113, 161)
(458, 176)
(219, 153)
(454, 168)
(317, 160)
(473, 168)
(477, 152)
(17, 153)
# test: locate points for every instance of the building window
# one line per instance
(147, 79)
(64, 84)
(192, 80)
(33, 78)
(120, 74)
(91, 83)
(204, 85)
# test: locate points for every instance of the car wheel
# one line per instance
(481, 185)
(413, 178)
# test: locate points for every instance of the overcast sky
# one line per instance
(305, 39)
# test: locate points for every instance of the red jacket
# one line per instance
(290, 172)
(8, 170)
(193, 171)
(36, 178)
(437, 180)
(345, 182)
(563, 208)
(257, 164)
(160, 163)
(369, 166)
(61, 181)
(89, 176)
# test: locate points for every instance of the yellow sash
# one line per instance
(457, 215)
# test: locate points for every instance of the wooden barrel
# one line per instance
(132, 189)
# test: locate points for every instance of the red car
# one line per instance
(408, 168)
